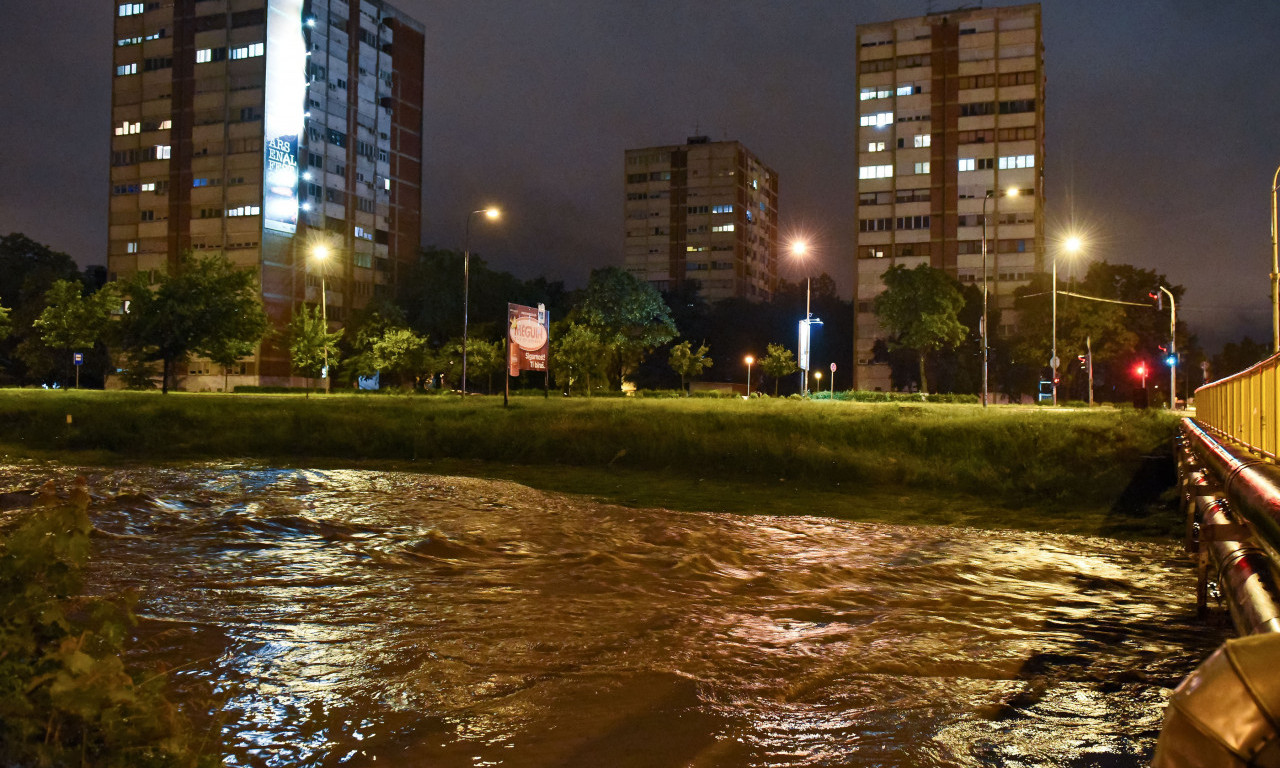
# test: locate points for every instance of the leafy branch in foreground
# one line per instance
(66, 697)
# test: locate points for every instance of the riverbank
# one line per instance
(1096, 472)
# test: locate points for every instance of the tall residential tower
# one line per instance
(951, 123)
(257, 129)
(704, 211)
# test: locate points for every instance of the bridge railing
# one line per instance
(1244, 407)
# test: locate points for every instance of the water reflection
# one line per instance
(348, 616)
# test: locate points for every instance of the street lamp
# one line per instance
(1070, 245)
(321, 254)
(799, 249)
(492, 214)
(1173, 349)
(1010, 192)
(817, 381)
(1275, 269)
(749, 360)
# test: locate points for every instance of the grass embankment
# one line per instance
(1044, 469)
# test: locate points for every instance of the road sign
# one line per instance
(833, 367)
(1053, 362)
(77, 358)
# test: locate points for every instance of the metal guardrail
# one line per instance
(1243, 407)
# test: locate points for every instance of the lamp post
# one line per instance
(1275, 269)
(1173, 349)
(490, 213)
(799, 249)
(749, 360)
(1071, 245)
(321, 255)
(817, 381)
(1010, 192)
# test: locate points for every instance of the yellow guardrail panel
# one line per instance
(1244, 406)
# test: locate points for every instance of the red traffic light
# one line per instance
(1140, 370)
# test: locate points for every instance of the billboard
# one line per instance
(283, 119)
(528, 337)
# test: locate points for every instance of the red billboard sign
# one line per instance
(528, 337)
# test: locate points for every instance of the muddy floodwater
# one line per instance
(370, 618)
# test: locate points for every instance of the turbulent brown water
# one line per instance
(379, 618)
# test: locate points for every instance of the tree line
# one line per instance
(617, 327)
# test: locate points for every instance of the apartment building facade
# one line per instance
(259, 130)
(950, 135)
(704, 211)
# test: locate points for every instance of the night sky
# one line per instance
(1163, 127)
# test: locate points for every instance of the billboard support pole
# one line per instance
(506, 372)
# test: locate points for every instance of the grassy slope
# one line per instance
(953, 464)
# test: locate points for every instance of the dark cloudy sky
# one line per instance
(1163, 126)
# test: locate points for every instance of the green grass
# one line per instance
(1034, 468)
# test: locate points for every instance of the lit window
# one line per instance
(129, 9)
(722, 209)
(127, 128)
(877, 120)
(244, 210)
(162, 151)
(149, 187)
(906, 90)
(882, 92)
(128, 41)
(363, 233)
(387, 184)
(966, 163)
(922, 167)
(127, 69)
(248, 51)
(722, 228)
(875, 171)
(164, 125)
(131, 246)
(1017, 161)
(875, 146)
(924, 140)
(204, 55)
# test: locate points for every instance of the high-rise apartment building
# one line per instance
(950, 124)
(257, 129)
(704, 211)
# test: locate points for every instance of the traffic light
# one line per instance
(1140, 370)
(1171, 360)
(1083, 362)
(1159, 299)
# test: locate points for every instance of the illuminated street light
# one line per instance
(321, 254)
(799, 249)
(1071, 245)
(748, 360)
(491, 214)
(1010, 192)
(817, 381)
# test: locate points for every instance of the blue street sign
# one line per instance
(77, 358)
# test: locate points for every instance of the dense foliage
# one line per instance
(66, 698)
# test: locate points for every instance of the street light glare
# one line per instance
(1011, 192)
(799, 247)
(748, 360)
(321, 252)
(1072, 244)
(492, 213)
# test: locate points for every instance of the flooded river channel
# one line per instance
(378, 618)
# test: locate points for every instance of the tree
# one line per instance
(1237, 356)
(629, 317)
(311, 344)
(6, 324)
(27, 271)
(72, 321)
(687, 363)
(920, 307)
(204, 307)
(576, 353)
(778, 362)
(400, 353)
(485, 358)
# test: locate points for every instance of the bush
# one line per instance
(65, 695)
